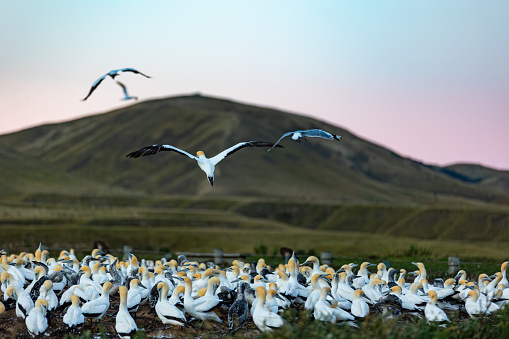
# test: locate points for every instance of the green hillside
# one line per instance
(76, 174)
(94, 148)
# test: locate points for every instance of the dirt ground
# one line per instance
(14, 327)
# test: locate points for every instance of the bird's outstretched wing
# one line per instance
(150, 150)
(134, 71)
(284, 136)
(123, 87)
(318, 133)
(239, 146)
(94, 86)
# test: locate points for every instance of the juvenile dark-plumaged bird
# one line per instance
(126, 95)
(207, 165)
(312, 133)
(112, 74)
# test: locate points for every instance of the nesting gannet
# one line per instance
(503, 270)
(312, 133)
(472, 305)
(46, 292)
(74, 318)
(97, 307)
(360, 307)
(124, 323)
(112, 74)
(322, 310)
(210, 300)
(36, 320)
(134, 296)
(265, 320)
(191, 305)
(207, 165)
(23, 301)
(432, 311)
(239, 310)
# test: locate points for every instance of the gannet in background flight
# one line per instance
(112, 74)
(126, 95)
(207, 165)
(312, 133)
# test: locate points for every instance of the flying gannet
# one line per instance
(207, 165)
(112, 74)
(126, 95)
(312, 133)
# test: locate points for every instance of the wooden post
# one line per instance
(218, 256)
(454, 265)
(326, 258)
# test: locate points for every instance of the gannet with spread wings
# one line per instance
(206, 164)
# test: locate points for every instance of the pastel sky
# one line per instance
(427, 79)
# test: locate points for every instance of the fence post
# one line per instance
(218, 256)
(326, 258)
(454, 264)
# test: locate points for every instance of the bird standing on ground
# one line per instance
(112, 74)
(124, 323)
(312, 133)
(207, 165)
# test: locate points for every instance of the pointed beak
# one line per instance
(211, 180)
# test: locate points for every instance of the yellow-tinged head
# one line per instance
(396, 290)
(48, 285)
(202, 291)
(107, 286)
(135, 282)
(122, 290)
(433, 296)
(200, 153)
(473, 294)
(9, 291)
(179, 289)
(4, 276)
(261, 292)
(358, 293)
(449, 282)
(75, 300)
(41, 303)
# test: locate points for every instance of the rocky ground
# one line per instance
(150, 325)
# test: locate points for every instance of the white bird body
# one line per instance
(23, 301)
(210, 300)
(96, 308)
(126, 94)
(207, 165)
(167, 312)
(191, 306)
(134, 296)
(432, 311)
(264, 319)
(74, 315)
(322, 310)
(314, 133)
(36, 321)
(360, 307)
(472, 305)
(113, 73)
(46, 292)
(124, 323)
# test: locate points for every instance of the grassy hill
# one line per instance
(76, 173)
(94, 148)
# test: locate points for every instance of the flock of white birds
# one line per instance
(186, 293)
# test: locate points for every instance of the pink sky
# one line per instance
(429, 80)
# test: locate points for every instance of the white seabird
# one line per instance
(124, 323)
(112, 74)
(126, 95)
(207, 165)
(312, 133)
